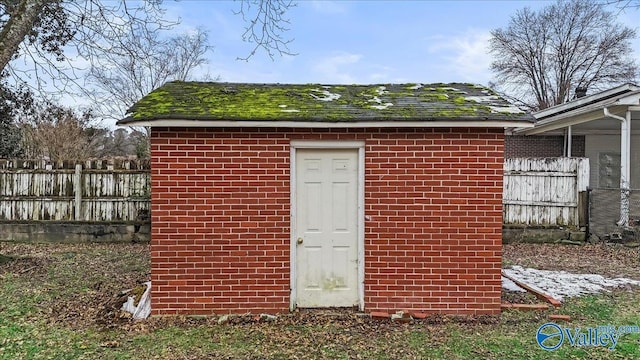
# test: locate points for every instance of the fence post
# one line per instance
(582, 185)
(583, 173)
(78, 191)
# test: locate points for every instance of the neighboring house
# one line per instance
(268, 197)
(542, 146)
(608, 124)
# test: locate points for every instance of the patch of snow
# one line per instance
(496, 108)
(448, 88)
(382, 90)
(380, 105)
(328, 96)
(282, 106)
(482, 99)
(560, 284)
(415, 87)
(509, 285)
(511, 109)
(290, 110)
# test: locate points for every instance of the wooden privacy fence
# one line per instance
(537, 191)
(545, 191)
(94, 191)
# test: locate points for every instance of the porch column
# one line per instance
(625, 156)
(569, 141)
(625, 169)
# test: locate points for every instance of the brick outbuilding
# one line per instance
(268, 197)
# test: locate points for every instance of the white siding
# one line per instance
(596, 144)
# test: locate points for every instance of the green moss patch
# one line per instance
(315, 102)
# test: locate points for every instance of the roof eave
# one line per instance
(581, 115)
(574, 104)
(471, 123)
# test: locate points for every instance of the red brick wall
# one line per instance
(541, 146)
(220, 219)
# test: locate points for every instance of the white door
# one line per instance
(326, 231)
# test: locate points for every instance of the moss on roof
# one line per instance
(314, 102)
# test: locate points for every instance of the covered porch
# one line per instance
(610, 124)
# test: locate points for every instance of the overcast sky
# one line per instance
(363, 41)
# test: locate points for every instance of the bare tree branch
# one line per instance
(542, 57)
(623, 4)
(58, 133)
(62, 36)
(139, 62)
(266, 25)
(19, 20)
(50, 45)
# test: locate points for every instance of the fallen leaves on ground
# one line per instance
(80, 286)
(610, 260)
(87, 280)
(82, 283)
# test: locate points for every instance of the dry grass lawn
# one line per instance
(61, 301)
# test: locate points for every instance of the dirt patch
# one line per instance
(23, 265)
(346, 320)
(5, 259)
(20, 260)
(612, 261)
(517, 297)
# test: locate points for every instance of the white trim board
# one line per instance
(331, 125)
(312, 144)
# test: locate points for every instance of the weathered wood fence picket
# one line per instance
(88, 191)
(537, 191)
(545, 191)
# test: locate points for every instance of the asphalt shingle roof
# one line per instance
(210, 101)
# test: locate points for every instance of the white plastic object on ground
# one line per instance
(143, 309)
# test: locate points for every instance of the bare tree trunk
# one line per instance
(24, 15)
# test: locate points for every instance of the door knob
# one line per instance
(299, 241)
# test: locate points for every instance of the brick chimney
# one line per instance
(581, 92)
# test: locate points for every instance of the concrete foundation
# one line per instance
(74, 232)
(539, 234)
